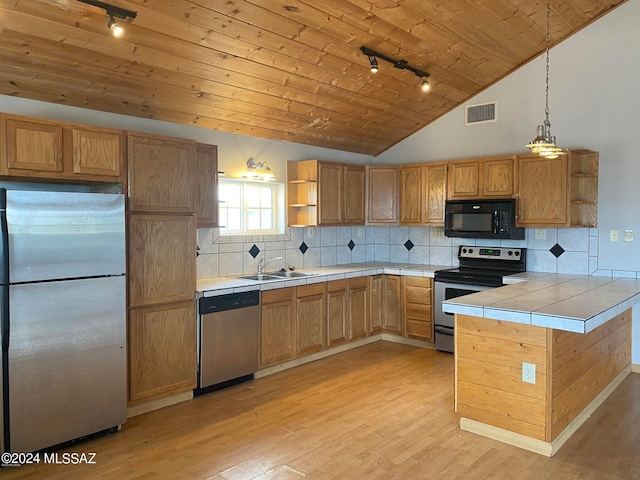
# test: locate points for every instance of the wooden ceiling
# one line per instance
(288, 70)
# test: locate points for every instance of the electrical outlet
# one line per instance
(529, 372)
(310, 232)
(628, 235)
(540, 234)
(613, 235)
(437, 232)
(360, 231)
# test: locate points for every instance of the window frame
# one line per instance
(277, 207)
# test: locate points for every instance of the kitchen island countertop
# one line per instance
(573, 303)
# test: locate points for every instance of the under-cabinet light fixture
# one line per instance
(113, 12)
(401, 64)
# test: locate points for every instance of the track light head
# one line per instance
(115, 28)
(425, 85)
(374, 63)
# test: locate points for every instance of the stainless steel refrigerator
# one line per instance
(63, 317)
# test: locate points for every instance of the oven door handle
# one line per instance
(496, 222)
(443, 330)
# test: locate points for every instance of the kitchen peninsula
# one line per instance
(534, 359)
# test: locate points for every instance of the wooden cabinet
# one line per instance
(423, 191)
(491, 177)
(560, 192)
(353, 194)
(359, 305)
(382, 195)
(161, 259)
(416, 307)
(277, 326)
(206, 185)
(43, 149)
(386, 304)
(161, 174)
(337, 312)
(325, 193)
(162, 346)
(311, 318)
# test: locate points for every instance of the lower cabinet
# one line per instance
(358, 307)
(310, 318)
(337, 312)
(162, 350)
(278, 326)
(416, 307)
(386, 304)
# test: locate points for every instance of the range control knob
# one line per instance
(464, 250)
(471, 250)
(517, 254)
(510, 252)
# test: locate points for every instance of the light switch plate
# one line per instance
(310, 232)
(613, 235)
(540, 234)
(628, 235)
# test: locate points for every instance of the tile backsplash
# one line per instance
(554, 250)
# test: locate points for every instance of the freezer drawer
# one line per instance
(67, 360)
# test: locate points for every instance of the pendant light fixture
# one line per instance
(545, 144)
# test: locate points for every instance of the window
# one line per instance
(251, 207)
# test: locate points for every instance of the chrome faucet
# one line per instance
(262, 263)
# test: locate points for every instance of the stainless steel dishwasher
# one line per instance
(229, 328)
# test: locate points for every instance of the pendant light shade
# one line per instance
(545, 144)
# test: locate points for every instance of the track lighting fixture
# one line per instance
(401, 64)
(113, 12)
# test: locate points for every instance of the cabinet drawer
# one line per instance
(417, 281)
(310, 290)
(358, 282)
(417, 295)
(337, 285)
(418, 328)
(418, 310)
(278, 295)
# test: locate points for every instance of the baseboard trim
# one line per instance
(159, 403)
(414, 342)
(539, 446)
(635, 368)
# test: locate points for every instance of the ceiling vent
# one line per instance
(481, 113)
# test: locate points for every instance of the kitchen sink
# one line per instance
(292, 274)
(261, 277)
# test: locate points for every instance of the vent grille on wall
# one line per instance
(481, 113)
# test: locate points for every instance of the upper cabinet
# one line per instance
(206, 200)
(561, 192)
(382, 195)
(422, 194)
(161, 174)
(37, 148)
(325, 193)
(492, 177)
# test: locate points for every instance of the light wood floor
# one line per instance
(382, 411)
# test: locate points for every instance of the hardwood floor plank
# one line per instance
(382, 411)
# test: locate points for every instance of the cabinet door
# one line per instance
(498, 176)
(331, 194)
(464, 179)
(435, 181)
(277, 326)
(358, 307)
(161, 174)
(416, 306)
(411, 197)
(337, 311)
(392, 309)
(97, 152)
(32, 147)
(354, 186)
(162, 258)
(311, 318)
(382, 195)
(162, 350)
(376, 289)
(206, 200)
(542, 191)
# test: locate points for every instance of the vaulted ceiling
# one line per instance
(279, 69)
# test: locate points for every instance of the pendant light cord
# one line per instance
(546, 110)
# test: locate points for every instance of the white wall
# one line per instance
(594, 103)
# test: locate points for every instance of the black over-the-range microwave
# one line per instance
(482, 219)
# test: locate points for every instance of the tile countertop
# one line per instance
(209, 287)
(574, 303)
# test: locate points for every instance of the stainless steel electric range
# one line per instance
(481, 268)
